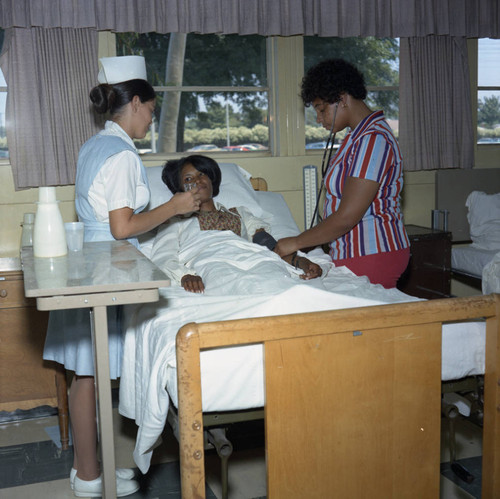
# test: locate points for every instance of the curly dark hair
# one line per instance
(171, 173)
(330, 78)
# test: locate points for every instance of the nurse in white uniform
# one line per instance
(111, 191)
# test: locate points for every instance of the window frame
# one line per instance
(286, 113)
(479, 88)
(486, 155)
(109, 42)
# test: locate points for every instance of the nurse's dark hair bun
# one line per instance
(112, 98)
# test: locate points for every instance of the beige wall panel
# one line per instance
(488, 156)
(10, 232)
(8, 195)
(68, 211)
(284, 175)
(461, 290)
(418, 203)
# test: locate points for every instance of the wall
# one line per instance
(283, 175)
(14, 204)
(283, 172)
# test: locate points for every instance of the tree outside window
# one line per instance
(212, 90)
(488, 104)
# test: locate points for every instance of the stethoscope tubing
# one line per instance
(324, 165)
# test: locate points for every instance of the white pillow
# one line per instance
(484, 219)
(277, 214)
(235, 189)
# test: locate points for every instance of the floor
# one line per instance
(32, 465)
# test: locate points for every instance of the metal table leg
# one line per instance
(104, 405)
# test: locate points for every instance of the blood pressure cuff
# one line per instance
(264, 239)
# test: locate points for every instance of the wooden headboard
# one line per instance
(259, 184)
(452, 189)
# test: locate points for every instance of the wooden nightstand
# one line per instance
(26, 380)
(428, 274)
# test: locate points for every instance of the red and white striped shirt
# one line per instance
(370, 152)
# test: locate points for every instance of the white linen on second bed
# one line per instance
(471, 259)
(491, 276)
(257, 285)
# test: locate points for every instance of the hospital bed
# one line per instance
(454, 195)
(372, 374)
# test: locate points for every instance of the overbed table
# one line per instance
(102, 274)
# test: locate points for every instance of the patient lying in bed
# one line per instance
(178, 236)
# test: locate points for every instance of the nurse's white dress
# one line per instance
(119, 183)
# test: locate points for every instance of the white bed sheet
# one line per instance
(232, 378)
(491, 276)
(470, 259)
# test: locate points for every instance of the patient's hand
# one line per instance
(192, 283)
(311, 270)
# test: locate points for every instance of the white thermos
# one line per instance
(49, 237)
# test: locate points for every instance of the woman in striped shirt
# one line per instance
(362, 219)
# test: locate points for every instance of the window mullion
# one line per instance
(287, 71)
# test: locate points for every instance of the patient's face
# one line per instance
(190, 175)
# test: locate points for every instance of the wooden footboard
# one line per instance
(352, 398)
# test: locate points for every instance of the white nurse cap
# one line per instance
(117, 69)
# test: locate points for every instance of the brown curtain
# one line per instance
(49, 74)
(435, 107)
(379, 18)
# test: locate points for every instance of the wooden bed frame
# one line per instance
(381, 365)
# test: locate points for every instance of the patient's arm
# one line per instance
(167, 246)
(311, 269)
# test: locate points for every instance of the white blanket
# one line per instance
(242, 280)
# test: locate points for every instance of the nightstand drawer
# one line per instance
(12, 292)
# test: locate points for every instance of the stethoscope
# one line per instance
(325, 163)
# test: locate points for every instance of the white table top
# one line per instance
(10, 264)
(104, 266)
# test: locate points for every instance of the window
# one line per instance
(488, 95)
(4, 153)
(377, 59)
(213, 92)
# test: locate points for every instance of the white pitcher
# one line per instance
(49, 237)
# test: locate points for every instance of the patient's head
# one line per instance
(172, 172)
